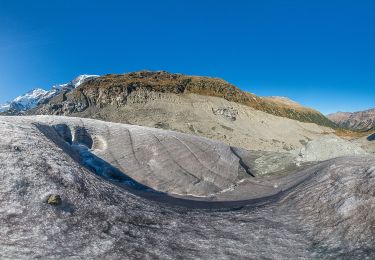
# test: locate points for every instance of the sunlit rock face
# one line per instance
(77, 188)
(361, 120)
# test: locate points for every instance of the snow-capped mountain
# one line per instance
(38, 96)
(75, 82)
(30, 99)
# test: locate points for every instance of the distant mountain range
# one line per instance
(40, 96)
(362, 120)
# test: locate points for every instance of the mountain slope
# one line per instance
(118, 89)
(39, 96)
(362, 120)
(26, 101)
(30, 99)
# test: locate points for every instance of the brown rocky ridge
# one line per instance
(140, 87)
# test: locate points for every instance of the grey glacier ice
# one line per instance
(319, 210)
(328, 147)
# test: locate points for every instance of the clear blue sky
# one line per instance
(319, 53)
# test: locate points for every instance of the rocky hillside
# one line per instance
(362, 120)
(140, 87)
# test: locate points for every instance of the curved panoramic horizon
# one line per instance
(187, 129)
(317, 53)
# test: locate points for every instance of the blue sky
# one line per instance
(319, 53)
